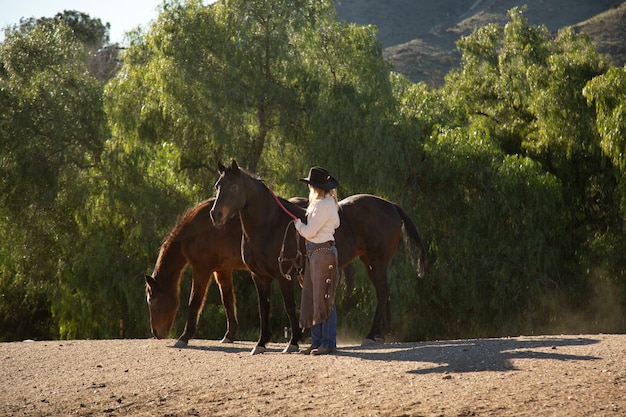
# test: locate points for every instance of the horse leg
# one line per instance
(378, 275)
(263, 290)
(201, 279)
(348, 287)
(289, 302)
(225, 281)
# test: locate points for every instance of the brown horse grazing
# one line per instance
(207, 249)
(370, 229)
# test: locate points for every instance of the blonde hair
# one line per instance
(316, 194)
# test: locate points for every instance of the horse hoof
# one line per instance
(258, 350)
(291, 348)
(368, 342)
(180, 344)
(226, 340)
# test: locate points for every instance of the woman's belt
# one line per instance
(313, 246)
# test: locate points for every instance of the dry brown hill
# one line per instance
(608, 32)
(419, 36)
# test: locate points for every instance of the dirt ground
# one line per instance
(583, 375)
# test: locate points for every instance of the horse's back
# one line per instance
(370, 212)
(205, 243)
(369, 224)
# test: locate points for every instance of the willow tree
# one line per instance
(522, 88)
(607, 94)
(525, 87)
(278, 85)
(213, 80)
(51, 135)
(261, 81)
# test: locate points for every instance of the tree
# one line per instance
(52, 134)
(91, 33)
(212, 74)
(513, 171)
(607, 93)
(258, 81)
(523, 90)
(262, 82)
(88, 31)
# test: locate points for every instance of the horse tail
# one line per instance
(413, 242)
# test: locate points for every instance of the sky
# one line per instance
(123, 15)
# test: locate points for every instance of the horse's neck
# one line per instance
(258, 211)
(170, 264)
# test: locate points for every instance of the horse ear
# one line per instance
(150, 281)
(220, 167)
(234, 165)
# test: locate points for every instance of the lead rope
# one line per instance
(290, 214)
(294, 261)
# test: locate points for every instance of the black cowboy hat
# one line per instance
(320, 178)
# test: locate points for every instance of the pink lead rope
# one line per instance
(281, 204)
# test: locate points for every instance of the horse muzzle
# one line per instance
(218, 217)
(160, 333)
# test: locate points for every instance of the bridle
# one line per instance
(295, 262)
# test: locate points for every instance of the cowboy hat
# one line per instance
(320, 178)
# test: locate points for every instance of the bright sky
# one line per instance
(123, 15)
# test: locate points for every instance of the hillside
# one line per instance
(419, 36)
(608, 32)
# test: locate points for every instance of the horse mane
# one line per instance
(252, 175)
(181, 222)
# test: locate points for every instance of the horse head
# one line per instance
(163, 305)
(230, 193)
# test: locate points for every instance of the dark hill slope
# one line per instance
(419, 36)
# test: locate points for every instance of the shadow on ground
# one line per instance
(482, 355)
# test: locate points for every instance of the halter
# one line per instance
(295, 265)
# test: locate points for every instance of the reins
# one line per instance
(295, 265)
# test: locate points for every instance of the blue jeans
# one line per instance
(325, 333)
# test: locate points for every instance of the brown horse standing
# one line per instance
(207, 249)
(265, 229)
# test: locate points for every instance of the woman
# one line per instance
(318, 309)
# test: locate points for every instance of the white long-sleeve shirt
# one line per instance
(321, 222)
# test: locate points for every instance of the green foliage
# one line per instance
(24, 304)
(51, 134)
(495, 221)
(90, 32)
(513, 171)
(607, 250)
(120, 228)
(608, 93)
(523, 91)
